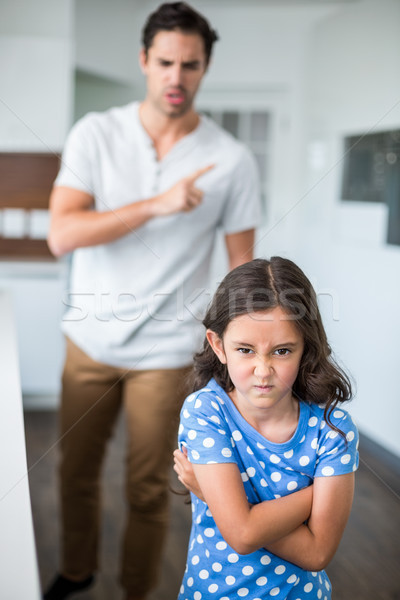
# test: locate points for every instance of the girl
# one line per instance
(272, 456)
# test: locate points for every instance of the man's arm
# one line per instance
(312, 546)
(240, 247)
(74, 223)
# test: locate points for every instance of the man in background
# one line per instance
(138, 200)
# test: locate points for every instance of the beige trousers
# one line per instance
(93, 394)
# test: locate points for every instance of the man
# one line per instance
(139, 197)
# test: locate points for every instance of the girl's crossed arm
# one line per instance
(245, 528)
(313, 545)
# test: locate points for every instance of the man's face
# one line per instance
(174, 67)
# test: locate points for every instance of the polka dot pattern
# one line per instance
(214, 432)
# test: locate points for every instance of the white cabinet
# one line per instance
(37, 291)
(19, 575)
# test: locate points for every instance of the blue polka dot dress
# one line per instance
(214, 431)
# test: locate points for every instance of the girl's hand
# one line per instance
(185, 473)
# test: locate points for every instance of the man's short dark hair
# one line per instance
(179, 16)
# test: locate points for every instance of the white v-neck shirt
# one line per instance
(138, 302)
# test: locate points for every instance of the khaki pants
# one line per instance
(93, 394)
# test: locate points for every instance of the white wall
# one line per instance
(36, 102)
(353, 87)
(97, 93)
(107, 38)
(36, 74)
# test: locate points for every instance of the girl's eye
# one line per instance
(282, 351)
(245, 350)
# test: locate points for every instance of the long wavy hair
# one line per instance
(261, 285)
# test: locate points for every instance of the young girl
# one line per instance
(272, 456)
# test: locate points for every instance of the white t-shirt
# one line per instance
(138, 302)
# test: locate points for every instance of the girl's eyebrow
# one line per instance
(280, 345)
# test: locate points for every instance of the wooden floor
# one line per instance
(366, 566)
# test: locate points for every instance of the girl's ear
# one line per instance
(216, 344)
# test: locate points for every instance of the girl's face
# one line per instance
(262, 351)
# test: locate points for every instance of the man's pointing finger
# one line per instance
(192, 178)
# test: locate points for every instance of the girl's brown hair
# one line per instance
(261, 285)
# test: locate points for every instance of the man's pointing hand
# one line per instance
(184, 196)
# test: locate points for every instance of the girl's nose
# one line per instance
(263, 369)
